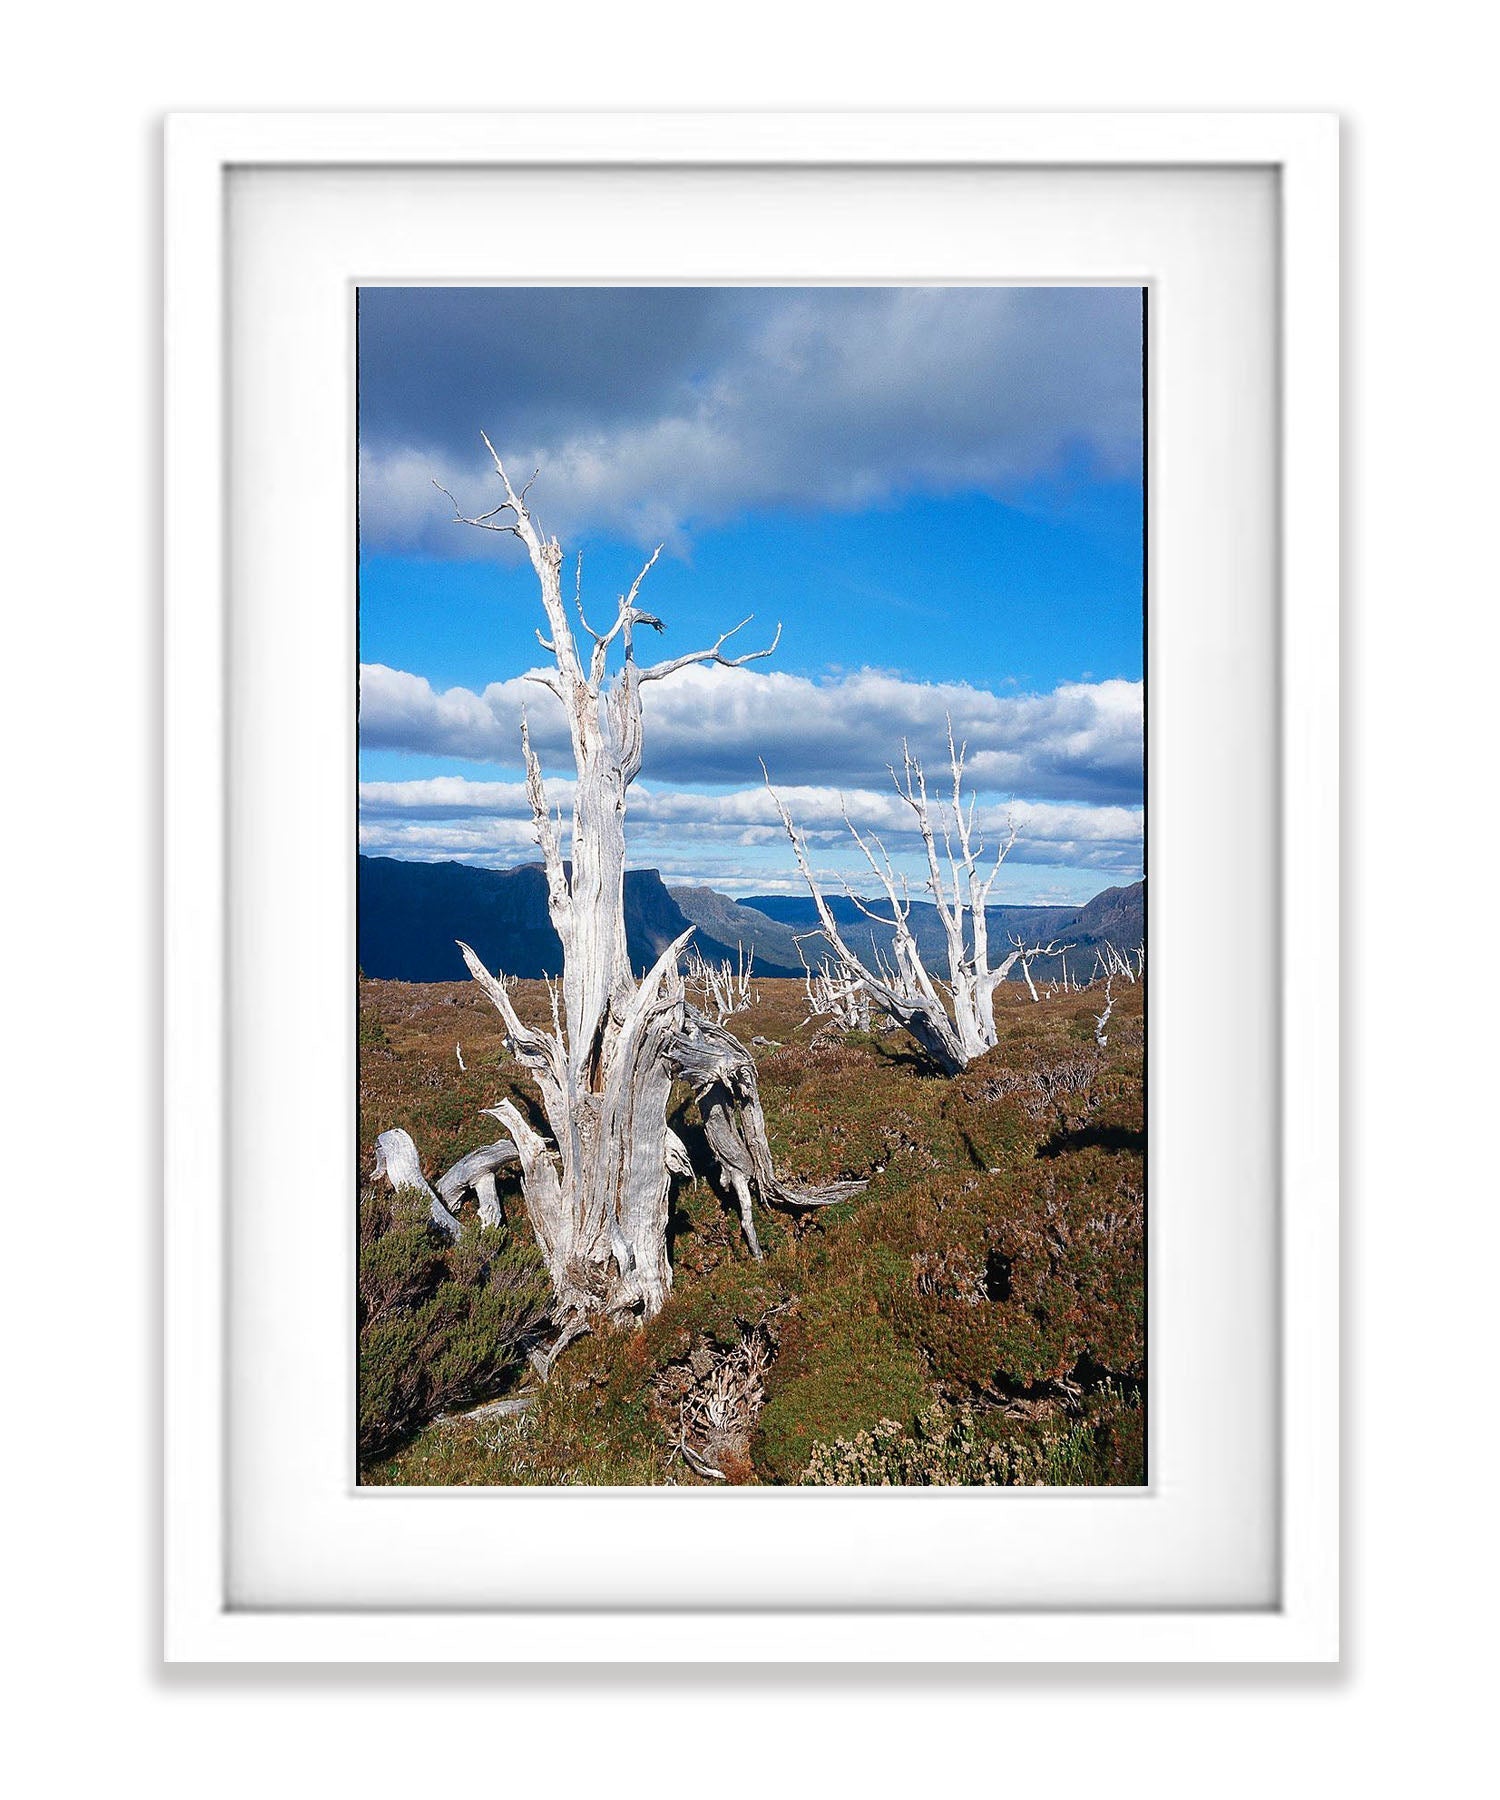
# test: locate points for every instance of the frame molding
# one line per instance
(201, 149)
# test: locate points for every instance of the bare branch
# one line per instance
(533, 1048)
(722, 988)
(834, 994)
(1025, 954)
(715, 654)
(624, 619)
(1109, 1006)
(559, 898)
(545, 678)
(481, 521)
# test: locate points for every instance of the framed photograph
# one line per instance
(752, 846)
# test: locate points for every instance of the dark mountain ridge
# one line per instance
(411, 914)
(767, 939)
(1116, 916)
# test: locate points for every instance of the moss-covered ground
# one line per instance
(977, 1314)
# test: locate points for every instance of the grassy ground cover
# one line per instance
(976, 1315)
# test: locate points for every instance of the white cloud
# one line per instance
(1082, 743)
(707, 835)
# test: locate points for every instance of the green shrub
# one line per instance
(952, 1446)
(835, 1375)
(995, 1261)
(1010, 1280)
(440, 1325)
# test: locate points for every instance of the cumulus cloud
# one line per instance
(655, 410)
(449, 816)
(1080, 743)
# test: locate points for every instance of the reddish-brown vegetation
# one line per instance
(976, 1315)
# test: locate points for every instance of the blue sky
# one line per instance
(935, 492)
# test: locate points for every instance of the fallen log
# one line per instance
(475, 1174)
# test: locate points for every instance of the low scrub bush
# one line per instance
(1008, 1282)
(440, 1325)
(835, 1374)
(953, 1446)
(974, 1316)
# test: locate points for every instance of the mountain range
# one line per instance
(411, 914)
(772, 923)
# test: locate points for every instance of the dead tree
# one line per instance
(596, 1190)
(1131, 967)
(475, 1174)
(1029, 952)
(721, 989)
(397, 1161)
(900, 983)
(1102, 1020)
(723, 1078)
(833, 994)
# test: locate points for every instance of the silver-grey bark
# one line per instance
(596, 1187)
(397, 1161)
(953, 1021)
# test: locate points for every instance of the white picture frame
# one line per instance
(205, 1619)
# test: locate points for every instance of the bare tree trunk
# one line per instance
(1028, 952)
(1101, 1022)
(835, 995)
(475, 1174)
(722, 1075)
(952, 1034)
(597, 1193)
(598, 1199)
(723, 988)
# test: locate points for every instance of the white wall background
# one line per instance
(80, 1296)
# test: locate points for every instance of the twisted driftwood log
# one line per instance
(475, 1174)
(722, 1075)
(396, 1159)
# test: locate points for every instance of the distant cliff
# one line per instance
(768, 940)
(411, 914)
(1116, 916)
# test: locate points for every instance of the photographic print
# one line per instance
(751, 999)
